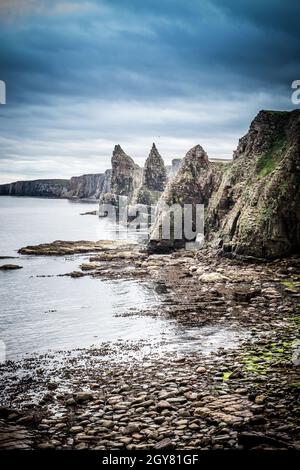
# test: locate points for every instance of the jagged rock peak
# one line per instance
(195, 159)
(118, 150)
(155, 173)
(154, 155)
(125, 173)
(119, 154)
(265, 130)
(197, 152)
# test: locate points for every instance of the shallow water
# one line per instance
(38, 314)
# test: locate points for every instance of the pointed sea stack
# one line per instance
(154, 180)
(124, 174)
(155, 174)
(194, 183)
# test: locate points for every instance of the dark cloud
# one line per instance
(74, 69)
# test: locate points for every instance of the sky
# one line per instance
(82, 76)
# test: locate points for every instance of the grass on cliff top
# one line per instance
(269, 161)
(60, 182)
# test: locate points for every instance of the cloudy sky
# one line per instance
(84, 75)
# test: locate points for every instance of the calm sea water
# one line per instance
(38, 314)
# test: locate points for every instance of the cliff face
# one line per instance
(78, 187)
(154, 180)
(37, 188)
(124, 178)
(154, 174)
(86, 186)
(106, 187)
(252, 203)
(256, 212)
(4, 189)
(196, 180)
(125, 174)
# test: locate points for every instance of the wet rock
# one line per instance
(76, 429)
(254, 439)
(14, 436)
(164, 405)
(82, 397)
(60, 248)
(8, 267)
(259, 399)
(131, 429)
(212, 277)
(163, 444)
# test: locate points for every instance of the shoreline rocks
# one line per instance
(10, 267)
(60, 247)
(121, 396)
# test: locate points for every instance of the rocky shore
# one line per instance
(139, 395)
(130, 395)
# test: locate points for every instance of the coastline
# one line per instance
(241, 397)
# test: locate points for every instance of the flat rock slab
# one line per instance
(60, 247)
(230, 409)
(9, 267)
(14, 436)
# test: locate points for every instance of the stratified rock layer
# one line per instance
(194, 183)
(123, 179)
(252, 203)
(255, 211)
(52, 188)
(86, 186)
(154, 179)
(125, 174)
(155, 175)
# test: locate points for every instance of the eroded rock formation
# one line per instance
(196, 180)
(125, 174)
(256, 212)
(86, 186)
(78, 187)
(154, 179)
(52, 188)
(252, 203)
(125, 177)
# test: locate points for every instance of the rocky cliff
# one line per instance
(154, 180)
(154, 174)
(125, 177)
(256, 212)
(86, 186)
(125, 174)
(78, 187)
(252, 203)
(194, 183)
(56, 188)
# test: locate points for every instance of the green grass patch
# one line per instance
(226, 376)
(260, 360)
(292, 286)
(269, 160)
